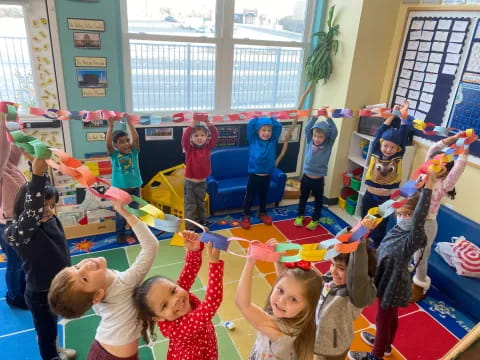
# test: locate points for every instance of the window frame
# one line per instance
(225, 45)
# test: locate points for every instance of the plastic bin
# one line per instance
(349, 208)
(355, 183)
(346, 192)
(342, 203)
(346, 178)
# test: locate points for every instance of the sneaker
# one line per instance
(369, 339)
(69, 354)
(359, 355)
(312, 225)
(245, 222)
(267, 220)
(298, 221)
(18, 302)
(121, 238)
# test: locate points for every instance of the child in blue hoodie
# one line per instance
(384, 169)
(262, 135)
(320, 139)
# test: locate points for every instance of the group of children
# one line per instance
(305, 316)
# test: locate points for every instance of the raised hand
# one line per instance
(212, 253)
(191, 240)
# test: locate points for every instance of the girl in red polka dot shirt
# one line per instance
(286, 326)
(181, 316)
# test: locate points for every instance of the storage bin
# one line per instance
(350, 208)
(342, 203)
(355, 183)
(346, 192)
(346, 178)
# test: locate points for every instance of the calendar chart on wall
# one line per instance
(438, 70)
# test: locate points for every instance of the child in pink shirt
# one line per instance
(444, 185)
(11, 180)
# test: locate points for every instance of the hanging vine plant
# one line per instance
(319, 66)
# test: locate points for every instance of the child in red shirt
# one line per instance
(198, 140)
(181, 316)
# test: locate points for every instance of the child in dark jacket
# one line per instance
(198, 140)
(393, 280)
(262, 135)
(37, 236)
(384, 168)
(320, 137)
(347, 288)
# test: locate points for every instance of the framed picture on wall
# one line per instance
(94, 124)
(158, 133)
(86, 24)
(96, 136)
(92, 78)
(86, 40)
(295, 134)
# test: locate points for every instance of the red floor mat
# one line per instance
(292, 232)
(371, 311)
(419, 336)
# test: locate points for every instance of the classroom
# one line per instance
(239, 179)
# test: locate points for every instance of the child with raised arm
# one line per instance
(11, 180)
(198, 140)
(384, 168)
(125, 167)
(392, 279)
(320, 137)
(444, 186)
(90, 283)
(181, 316)
(347, 288)
(37, 236)
(262, 135)
(286, 326)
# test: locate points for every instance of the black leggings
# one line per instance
(315, 186)
(257, 185)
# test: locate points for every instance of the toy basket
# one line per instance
(165, 191)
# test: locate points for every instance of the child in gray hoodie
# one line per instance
(320, 139)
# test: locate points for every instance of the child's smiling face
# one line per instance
(388, 148)
(287, 299)
(167, 300)
(265, 132)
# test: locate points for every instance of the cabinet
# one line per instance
(356, 160)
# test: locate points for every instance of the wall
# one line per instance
(111, 48)
(468, 198)
(366, 29)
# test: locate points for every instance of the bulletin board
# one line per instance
(432, 61)
(163, 154)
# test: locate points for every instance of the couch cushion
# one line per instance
(451, 223)
(229, 162)
(464, 291)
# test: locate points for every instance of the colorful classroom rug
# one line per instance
(427, 330)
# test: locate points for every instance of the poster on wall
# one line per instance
(95, 124)
(96, 136)
(228, 136)
(158, 133)
(87, 92)
(92, 78)
(466, 109)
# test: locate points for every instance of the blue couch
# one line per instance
(464, 291)
(227, 184)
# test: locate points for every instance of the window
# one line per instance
(16, 76)
(217, 56)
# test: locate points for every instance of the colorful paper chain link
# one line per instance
(70, 166)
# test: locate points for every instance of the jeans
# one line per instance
(14, 275)
(315, 186)
(386, 323)
(257, 185)
(369, 201)
(194, 201)
(120, 222)
(45, 322)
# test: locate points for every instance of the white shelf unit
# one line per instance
(356, 160)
